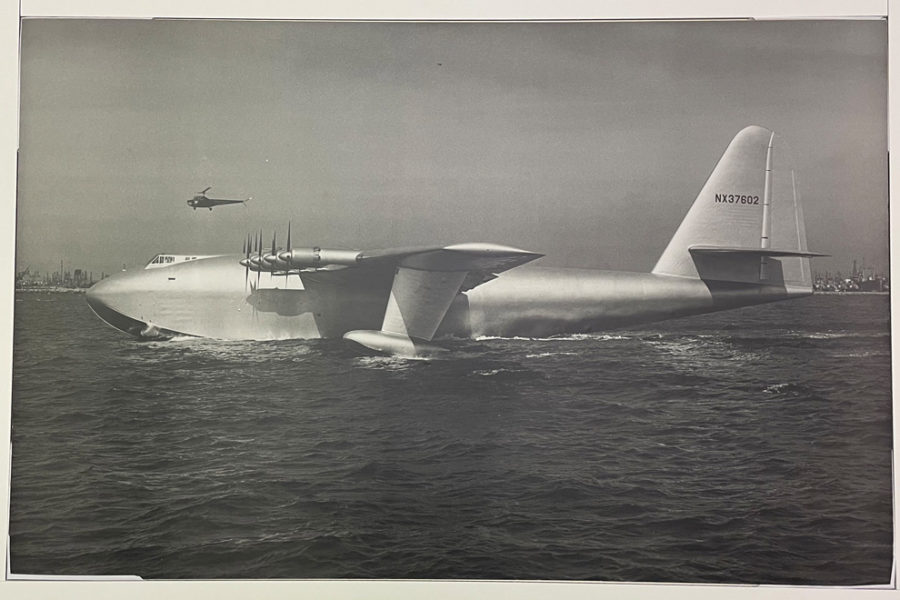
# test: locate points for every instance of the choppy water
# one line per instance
(749, 446)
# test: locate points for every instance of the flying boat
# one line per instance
(742, 243)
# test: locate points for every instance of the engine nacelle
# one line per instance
(304, 258)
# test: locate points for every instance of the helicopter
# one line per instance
(201, 200)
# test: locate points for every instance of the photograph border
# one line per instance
(444, 10)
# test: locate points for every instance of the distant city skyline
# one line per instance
(586, 142)
(847, 271)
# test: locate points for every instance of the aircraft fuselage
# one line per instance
(204, 202)
(215, 298)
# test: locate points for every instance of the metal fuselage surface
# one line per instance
(210, 297)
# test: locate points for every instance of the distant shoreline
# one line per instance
(851, 293)
(53, 289)
(83, 290)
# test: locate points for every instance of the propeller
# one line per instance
(259, 255)
(258, 258)
(277, 259)
(203, 193)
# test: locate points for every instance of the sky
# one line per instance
(586, 142)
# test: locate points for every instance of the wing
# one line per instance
(416, 285)
(426, 280)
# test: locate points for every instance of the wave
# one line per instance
(181, 338)
(575, 337)
(498, 371)
(863, 354)
(390, 363)
(785, 388)
(830, 335)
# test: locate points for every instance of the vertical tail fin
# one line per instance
(746, 224)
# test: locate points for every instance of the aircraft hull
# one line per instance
(211, 298)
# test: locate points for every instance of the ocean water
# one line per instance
(751, 446)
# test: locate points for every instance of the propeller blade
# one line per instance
(287, 277)
(247, 262)
(273, 250)
(259, 253)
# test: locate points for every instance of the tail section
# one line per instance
(746, 225)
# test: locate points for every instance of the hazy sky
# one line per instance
(587, 142)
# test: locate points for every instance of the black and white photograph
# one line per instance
(600, 301)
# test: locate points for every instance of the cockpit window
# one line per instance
(162, 259)
(169, 259)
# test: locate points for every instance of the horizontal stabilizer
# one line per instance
(751, 251)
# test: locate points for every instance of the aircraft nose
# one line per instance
(99, 289)
(109, 299)
(102, 295)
